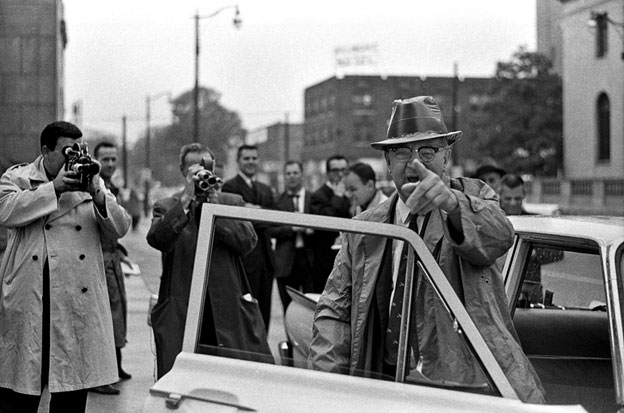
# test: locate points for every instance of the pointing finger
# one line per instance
(421, 169)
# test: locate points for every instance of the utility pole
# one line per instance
(196, 88)
(148, 132)
(286, 138)
(454, 126)
(124, 149)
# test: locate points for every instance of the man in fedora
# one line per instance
(463, 226)
(490, 174)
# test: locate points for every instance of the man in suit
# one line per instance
(293, 249)
(259, 263)
(231, 323)
(361, 184)
(329, 200)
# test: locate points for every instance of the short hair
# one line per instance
(512, 181)
(334, 158)
(245, 148)
(364, 171)
(58, 129)
(293, 162)
(193, 148)
(103, 144)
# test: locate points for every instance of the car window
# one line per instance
(444, 358)
(564, 279)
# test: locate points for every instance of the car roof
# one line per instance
(608, 229)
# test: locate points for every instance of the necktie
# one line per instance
(394, 320)
(295, 200)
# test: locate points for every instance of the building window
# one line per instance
(601, 34)
(604, 127)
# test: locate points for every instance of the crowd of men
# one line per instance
(62, 263)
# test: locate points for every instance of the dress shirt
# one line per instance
(299, 197)
(248, 180)
(401, 217)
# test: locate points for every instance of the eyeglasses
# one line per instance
(338, 170)
(425, 153)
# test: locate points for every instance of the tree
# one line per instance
(522, 123)
(217, 125)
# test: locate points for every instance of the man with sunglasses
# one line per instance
(357, 319)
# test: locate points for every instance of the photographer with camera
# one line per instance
(232, 323)
(55, 321)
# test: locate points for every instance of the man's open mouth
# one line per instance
(412, 179)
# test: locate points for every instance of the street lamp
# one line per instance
(236, 21)
(599, 21)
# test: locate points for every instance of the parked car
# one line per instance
(200, 381)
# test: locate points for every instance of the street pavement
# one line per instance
(139, 354)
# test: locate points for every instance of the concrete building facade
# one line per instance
(32, 40)
(592, 50)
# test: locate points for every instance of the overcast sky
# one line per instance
(120, 51)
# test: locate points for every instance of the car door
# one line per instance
(203, 378)
(557, 290)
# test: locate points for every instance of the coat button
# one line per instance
(35, 258)
(82, 257)
(48, 226)
(78, 227)
(84, 289)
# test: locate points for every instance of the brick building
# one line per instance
(344, 115)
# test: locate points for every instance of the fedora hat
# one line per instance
(416, 119)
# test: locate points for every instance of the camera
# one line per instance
(78, 160)
(206, 179)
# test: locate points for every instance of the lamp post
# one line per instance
(148, 144)
(236, 21)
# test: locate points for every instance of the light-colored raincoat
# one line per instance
(66, 232)
(342, 340)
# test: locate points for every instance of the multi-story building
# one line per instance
(32, 40)
(344, 115)
(593, 109)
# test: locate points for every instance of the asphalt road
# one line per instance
(139, 353)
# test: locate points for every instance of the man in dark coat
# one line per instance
(231, 318)
(330, 200)
(294, 256)
(259, 264)
(106, 153)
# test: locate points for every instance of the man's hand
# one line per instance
(66, 181)
(429, 193)
(189, 186)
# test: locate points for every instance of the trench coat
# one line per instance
(237, 320)
(342, 324)
(66, 233)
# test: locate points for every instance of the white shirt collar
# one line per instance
(401, 213)
(248, 180)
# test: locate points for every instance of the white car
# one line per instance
(201, 382)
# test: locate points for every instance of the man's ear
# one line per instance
(45, 150)
(387, 160)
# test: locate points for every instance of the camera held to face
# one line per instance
(78, 160)
(205, 179)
